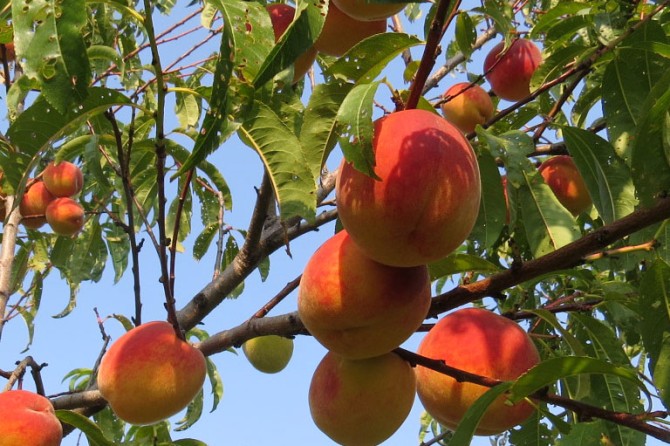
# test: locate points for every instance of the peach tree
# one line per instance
(147, 98)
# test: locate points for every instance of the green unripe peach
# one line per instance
(269, 354)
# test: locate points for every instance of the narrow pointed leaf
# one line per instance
(283, 157)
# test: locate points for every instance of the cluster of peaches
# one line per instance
(50, 199)
(367, 289)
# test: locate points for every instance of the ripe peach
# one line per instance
(33, 205)
(341, 32)
(64, 179)
(480, 342)
(281, 16)
(510, 74)
(469, 105)
(366, 11)
(427, 200)
(269, 354)
(65, 216)
(28, 419)
(357, 307)
(149, 374)
(561, 175)
(361, 402)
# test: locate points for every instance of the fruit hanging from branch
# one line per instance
(150, 374)
(361, 402)
(357, 307)
(427, 198)
(480, 342)
(509, 71)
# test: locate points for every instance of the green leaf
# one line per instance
(284, 159)
(650, 157)
(319, 128)
(606, 176)
(551, 370)
(357, 129)
(468, 424)
(466, 33)
(193, 413)
(188, 442)
(49, 39)
(459, 263)
(365, 61)
(584, 434)
(216, 382)
(89, 428)
(548, 224)
(39, 126)
(298, 38)
(216, 127)
(492, 206)
(655, 324)
(626, 84)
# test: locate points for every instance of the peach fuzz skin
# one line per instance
(427, 200)
(361, 402)
(281, 16)
(469, 105)
(65, 216)
(28, 419)
(480, 342)
(510, 77)
(149, 374)
(63, 179)
(561, 175)
(341, 32)
(34, 204)
(357, 307)
(365, 11)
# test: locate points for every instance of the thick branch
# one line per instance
(566, 257)
(10, 230)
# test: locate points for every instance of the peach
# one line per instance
(510, 74)
(64, 179)
(28, 419)
(341, 32)
(150, 374)
(361, 402)
(427, 200)
(65, 216)
(365, 11)
(480, 342)
(34, 203)
(357, 307)
(269, 354)
(281, 16)
(467, 105)
(561, 175)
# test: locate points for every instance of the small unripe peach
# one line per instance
(65, 216)
(467, 106)
(34, 204)
(561, 175)
(509, 74)
(64, 179)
